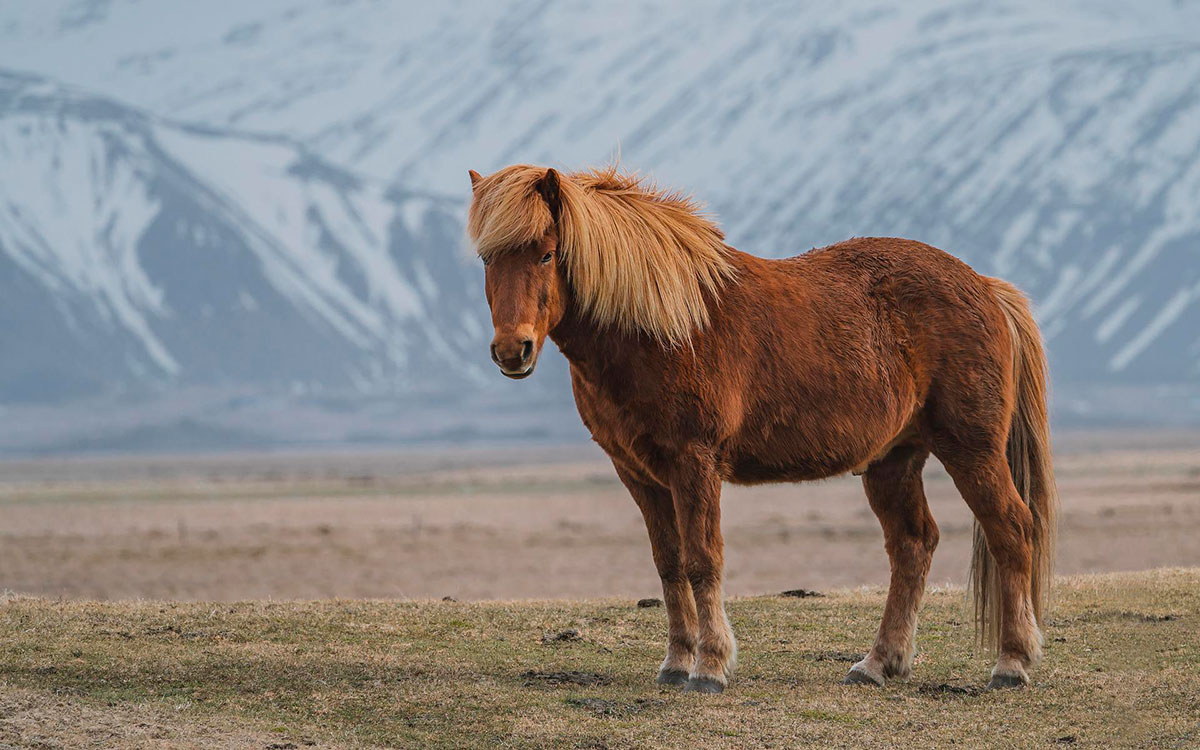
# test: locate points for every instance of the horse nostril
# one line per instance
(495, 358)
(526, 349)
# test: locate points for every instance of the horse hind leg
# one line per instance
(985, 483)
(897, 497)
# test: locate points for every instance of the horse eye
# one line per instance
(547, 257)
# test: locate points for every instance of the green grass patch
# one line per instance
(1122, 669)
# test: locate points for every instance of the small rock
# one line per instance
(449, 599)
(842, 656)
(570, 634)
(648, 603)
(801, 593)
(945, 689)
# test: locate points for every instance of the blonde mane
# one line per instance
(637, 257)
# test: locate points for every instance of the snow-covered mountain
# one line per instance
(1056, 144)
(136, 252)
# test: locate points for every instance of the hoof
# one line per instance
(703, 685)
(859, 677)
(1007, 682)
(672, 677)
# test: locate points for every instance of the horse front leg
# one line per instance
(696, 489)
(658, 510)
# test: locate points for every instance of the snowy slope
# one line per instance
(137, 253)
(1056, 144)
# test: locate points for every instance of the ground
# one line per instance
(1122, 669)
(295, 600)
(526, 522)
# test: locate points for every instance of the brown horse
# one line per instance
(694, 364)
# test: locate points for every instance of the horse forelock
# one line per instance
(638, 258)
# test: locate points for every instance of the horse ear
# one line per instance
(548, 188)
(475, 178)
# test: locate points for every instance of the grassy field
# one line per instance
(1122, 669)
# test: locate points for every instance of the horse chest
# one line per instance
(623, 427)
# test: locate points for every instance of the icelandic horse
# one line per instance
(694, 364)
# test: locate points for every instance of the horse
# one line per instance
(693, 364)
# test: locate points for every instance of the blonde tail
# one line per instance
(1029, 462)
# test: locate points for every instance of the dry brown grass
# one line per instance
(1122, 669)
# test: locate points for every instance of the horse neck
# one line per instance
(591, 348)
(583, 343)
(595, 350)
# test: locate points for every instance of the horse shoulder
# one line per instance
(625, 431)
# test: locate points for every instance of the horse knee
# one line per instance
(913, 537)
(702, 575)
(930, 535)
(671, 571)
(927, 540)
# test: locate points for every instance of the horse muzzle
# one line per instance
(515, 357)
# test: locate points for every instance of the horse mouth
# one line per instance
(517, 374)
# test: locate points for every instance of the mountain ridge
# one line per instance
(146, 229)
(1055, 145)
(268, 198)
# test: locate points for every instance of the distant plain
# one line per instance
(518, 521)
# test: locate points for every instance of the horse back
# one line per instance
(837, 352)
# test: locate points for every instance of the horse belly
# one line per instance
(823, 440)
(786, 455)
(757, 468)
